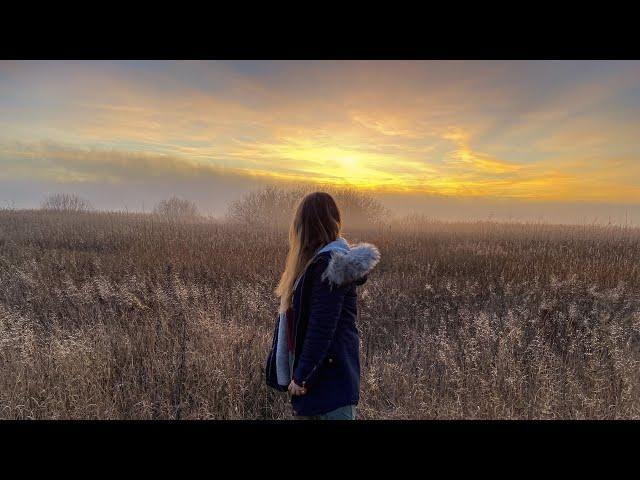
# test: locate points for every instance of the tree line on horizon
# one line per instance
(269, 207)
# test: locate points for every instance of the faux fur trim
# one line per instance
(347, 267)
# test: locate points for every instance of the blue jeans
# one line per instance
(348, 412)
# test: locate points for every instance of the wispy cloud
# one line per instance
(531, 130)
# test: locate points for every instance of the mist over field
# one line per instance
(213, 196)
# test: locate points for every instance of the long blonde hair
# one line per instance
(315, 224)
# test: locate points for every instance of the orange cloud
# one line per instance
(450, 128)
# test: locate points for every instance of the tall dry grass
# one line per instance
(107, 315)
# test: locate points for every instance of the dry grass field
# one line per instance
(125, 316)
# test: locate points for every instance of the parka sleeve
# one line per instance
(325, 309)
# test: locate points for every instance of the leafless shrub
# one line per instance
(270, 206)
(175, 208)
(9, 206)
(66, 202)
(273, 207)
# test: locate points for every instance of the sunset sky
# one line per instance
(122, 133)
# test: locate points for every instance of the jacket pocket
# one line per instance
(330, 361)
(329, 367)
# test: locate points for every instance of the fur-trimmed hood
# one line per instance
(349, 263)
(346, 264)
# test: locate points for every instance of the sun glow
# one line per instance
(503, 131)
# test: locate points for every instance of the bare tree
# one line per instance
(176, 208)
(358, 208)
(274, 207)
(270, 206)
(66, 202)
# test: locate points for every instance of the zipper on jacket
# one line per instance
(309, 374)
(295, 335)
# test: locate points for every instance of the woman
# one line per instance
(315, 351)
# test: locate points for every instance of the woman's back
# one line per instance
(320, 302)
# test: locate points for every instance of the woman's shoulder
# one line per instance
(344, 268)
(319, 263)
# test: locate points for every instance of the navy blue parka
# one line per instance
(326, 356)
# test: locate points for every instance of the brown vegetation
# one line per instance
(108, 315)
(176, 208)
(66, 202)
